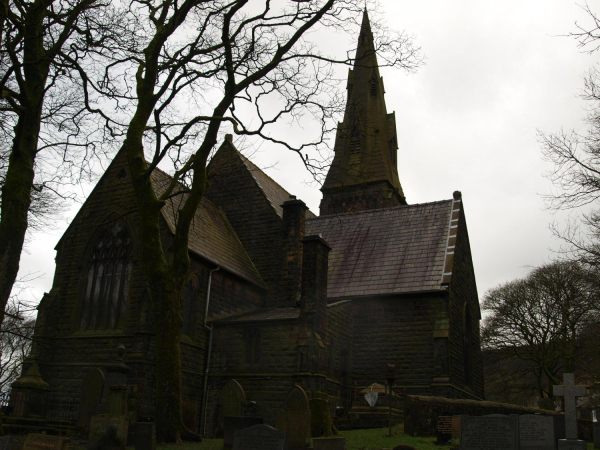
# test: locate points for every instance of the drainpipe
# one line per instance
(207, 365)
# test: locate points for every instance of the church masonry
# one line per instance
(326, 302)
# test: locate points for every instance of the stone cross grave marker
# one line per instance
(91, 395)
(43, 442)
(297, 418)
(536, 432)
(493, 432)
(259, 437)
(570, 392)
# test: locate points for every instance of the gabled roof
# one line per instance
(273, 192)
(211, 234)
(385, 251)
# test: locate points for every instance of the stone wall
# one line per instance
(397, 330)
(67, 353)
(463, 297)
(358, 198)
(421, 412)
(253, 218)
(339, 342)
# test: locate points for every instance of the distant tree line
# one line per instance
(547, 323)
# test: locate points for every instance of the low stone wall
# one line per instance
(421, 412)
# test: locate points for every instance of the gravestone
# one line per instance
(259, 437)
(232, 398)
(43, 442)
(189, 411)
(145, 436)
(536, 432)
(91, 395)
(6, 443)
(444, 428)
(596, 431)
(570, 392)
(455, 427)
(100, 424)
(233, 424)
(329, 443)
(117, 400)
(493, 432)
(297, 418)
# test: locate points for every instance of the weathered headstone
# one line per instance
(329, 443)
(536, 432)
(297, 412)
(91, 394)
(100, 424)
(570, 392)
(455, 427)
(596, 431)
(43, 442)
(117, 400)
(145, 436)
(493, 432)
(6, 443)
(232, 399)
(189, 411)
(259, 437)
(233, 424)
(444, 428)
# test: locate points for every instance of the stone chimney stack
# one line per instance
(315, 263)
(294, 215)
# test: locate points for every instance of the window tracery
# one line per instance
(107, 280)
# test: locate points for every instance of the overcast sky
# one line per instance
(495, 73)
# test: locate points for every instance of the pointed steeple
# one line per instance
(364, 174)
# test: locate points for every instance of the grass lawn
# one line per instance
(369, 439)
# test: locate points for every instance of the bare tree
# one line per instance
(16, 334)
(194, 66)
(576, 159)
(45, 137)
(539, 326)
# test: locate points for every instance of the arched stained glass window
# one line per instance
(107, 280)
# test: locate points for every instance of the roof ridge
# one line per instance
(244, 157)
(370, 211)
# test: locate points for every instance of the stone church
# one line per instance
(277, 295)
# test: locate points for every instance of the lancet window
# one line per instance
(107, 280)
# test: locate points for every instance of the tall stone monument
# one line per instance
(570, 392)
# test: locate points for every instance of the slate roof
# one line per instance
(385, 251)
(262, 315)
(272, 190)
(211, 234)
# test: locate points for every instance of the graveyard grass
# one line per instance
(366, 439)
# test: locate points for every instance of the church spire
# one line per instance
(364, 174)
